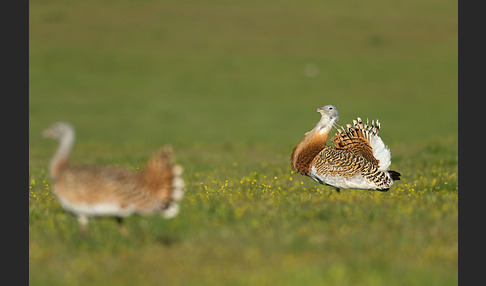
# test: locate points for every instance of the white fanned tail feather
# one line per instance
(380, 151)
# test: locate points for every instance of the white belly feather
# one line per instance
(352, 182)
(97, 209)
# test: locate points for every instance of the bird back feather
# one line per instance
(362, 139)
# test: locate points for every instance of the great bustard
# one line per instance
(358, 159)
(92, 191)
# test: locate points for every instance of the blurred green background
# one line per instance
(233, 86)
(204, 72)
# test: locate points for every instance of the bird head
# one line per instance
(329, 113)
(57, 130)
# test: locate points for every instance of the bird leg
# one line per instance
(83, 224)
(121, 227)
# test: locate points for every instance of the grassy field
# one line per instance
(233, 86)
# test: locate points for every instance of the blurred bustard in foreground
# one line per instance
(358, 159)
(91, 191)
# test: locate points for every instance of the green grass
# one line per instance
(224, 83)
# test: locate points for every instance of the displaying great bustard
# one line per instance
(358, 159)
(92, 191)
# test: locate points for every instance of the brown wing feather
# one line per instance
(345, 164)
(356, 140)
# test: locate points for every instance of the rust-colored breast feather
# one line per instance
(306, 151)
(59, 166)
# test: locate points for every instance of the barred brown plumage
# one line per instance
(357, 159)
(91, 191)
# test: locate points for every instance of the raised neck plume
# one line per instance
(358, 157)
(92, 191)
